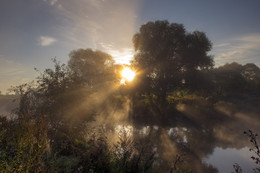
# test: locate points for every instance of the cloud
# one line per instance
(243, 49)
(98, 24)
(52, 2)
(124, 56)
(46, 41)
(221, 45)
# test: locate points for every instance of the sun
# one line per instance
(127, 74)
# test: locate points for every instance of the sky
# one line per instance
(32, 32)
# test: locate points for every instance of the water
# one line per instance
(201, 134)
(209, 137)
(223, 159)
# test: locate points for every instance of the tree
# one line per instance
(251, 73)
(229, 79)
(92, 67)
(169, 56)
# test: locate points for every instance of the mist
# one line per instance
(177, 111)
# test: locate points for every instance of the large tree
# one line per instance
(92, 67)
(168, 56)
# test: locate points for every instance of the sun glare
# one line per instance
(127, 74)
(122, 81)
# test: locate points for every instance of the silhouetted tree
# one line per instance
(228, 78)
(251, 73)
(168, 56)
(235, 78)
(92, 67)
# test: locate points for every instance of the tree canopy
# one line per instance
(92, 67)
(168, 56)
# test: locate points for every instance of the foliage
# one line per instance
(237, 168)
(235, 78)
(168, 56)
(93, 68)
(46, 137)
(255, 150)
(66, 116)
(23, 145)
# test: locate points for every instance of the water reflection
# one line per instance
(124, 130)
(224, 158)
(178, 132)
(210, 139)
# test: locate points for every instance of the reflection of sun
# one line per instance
(127, 74)
(122, 81)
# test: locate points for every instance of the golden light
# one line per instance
(122, 81)
(127, 74)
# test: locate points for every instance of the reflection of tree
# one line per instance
(206, 126)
